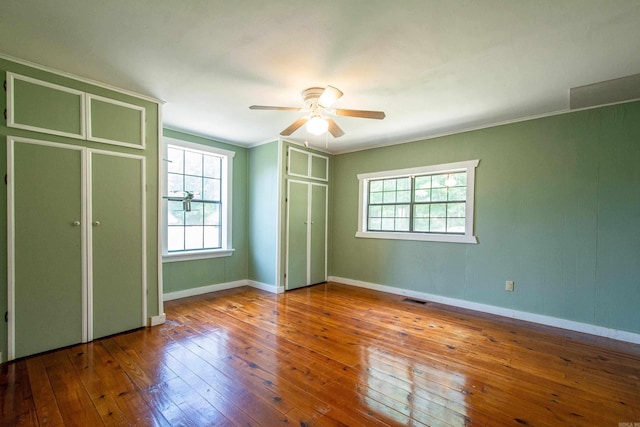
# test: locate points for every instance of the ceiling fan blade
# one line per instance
(365, 114)
(269, 107)
(329, 96)
(334, 128)
(294, 126)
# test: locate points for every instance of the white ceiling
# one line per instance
(433, 66)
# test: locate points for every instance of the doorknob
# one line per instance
(97, 223)
(76, 223)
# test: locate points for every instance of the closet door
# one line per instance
(45, 247)
(318, 234)
(297, 238)
(306, 234)
(116, 242)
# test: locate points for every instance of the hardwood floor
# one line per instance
(327, 355)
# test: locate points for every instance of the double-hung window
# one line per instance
(425, 203)
(196, 201)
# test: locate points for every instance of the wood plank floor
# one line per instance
(327, 355)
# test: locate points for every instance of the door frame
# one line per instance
(85, 233)
(287, 237)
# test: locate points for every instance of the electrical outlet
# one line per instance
(508, 286)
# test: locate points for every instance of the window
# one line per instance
(426, 203)
(196, 201)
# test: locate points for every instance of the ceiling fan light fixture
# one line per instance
(317, 125)
(329, 96)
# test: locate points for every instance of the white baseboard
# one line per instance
(500, 311)
(157, 320)
(204, 290)
(266, 287)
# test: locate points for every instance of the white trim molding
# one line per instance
(201, 290)
(556, 322)
(204, 290)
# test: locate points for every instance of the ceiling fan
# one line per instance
(317, 103)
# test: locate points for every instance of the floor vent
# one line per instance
(415, 301)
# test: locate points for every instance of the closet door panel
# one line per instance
(317, 256)
(117, 261)
(297, 217)
(48, 248)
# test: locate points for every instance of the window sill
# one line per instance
(194, 255)
(450, 238)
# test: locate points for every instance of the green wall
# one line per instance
(263, 213)
(557, 210)
(183, 275)
(150, 153)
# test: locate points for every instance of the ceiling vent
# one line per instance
(607, 92)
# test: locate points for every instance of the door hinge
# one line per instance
(6, 317)
(5, 85)
(5, 114)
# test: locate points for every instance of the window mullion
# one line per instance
(411, 201)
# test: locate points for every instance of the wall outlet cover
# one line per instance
(509, 285)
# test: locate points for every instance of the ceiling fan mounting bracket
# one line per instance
(311, 96)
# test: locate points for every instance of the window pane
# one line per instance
(212, 237)
(389, 197)
(403, 196)
(402, 224)
(455, 225)
(438, 225)
(423, 182)
(195, 216)
(421, 224)
(211, 189)
(375, 211)
(375, 198)
(439, 194)
(403, 184)
(211, 214)
(437, 181)
(375, 186)
(212, 166)
(175, 238)
(192, 163)
(388, 224)
(389, 185)
(175, 160)
(193, 184)
(375, 224)
(460, 178)
(457, 193)
(421, 211)
(388, 211)
(175, 184)
(456, 210)
(402, 211)
(423, 196)
(438, 210)
(193, 237)
(175, 213)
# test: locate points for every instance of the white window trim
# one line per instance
(468, 166)
(226, 193)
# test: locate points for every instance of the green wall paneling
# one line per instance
(41, 106)
(555, 211)
(104, 113)
(263, 213)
